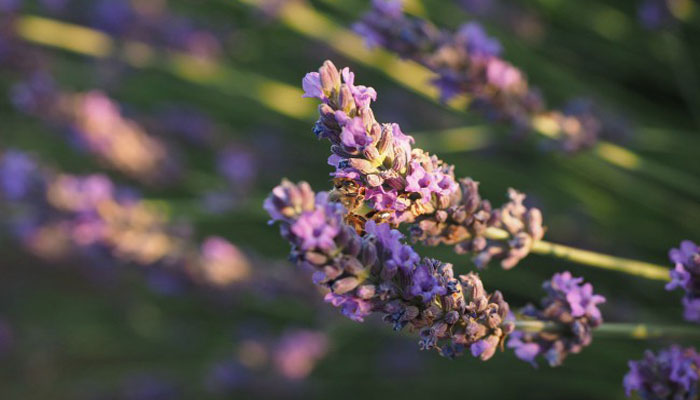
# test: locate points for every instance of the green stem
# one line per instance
(591, 258)
(617, 329)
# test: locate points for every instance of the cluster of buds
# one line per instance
(468, 62)
(375, 163)
(672, 374)
(379, 176)
(465, 223)
(570, 313)
(375, 271)
(686, 275)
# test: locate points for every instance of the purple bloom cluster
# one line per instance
(395, 178)
(670, 374)
(686, 275)
(375, 271)
(380, 176)
(57, 216)
(571, 308)
(467, 62)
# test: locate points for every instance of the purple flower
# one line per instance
(670, 374)
(403, 257)
(313, 231)
(354, 135)
(581, 298)
(16, 174)
(362, 95)
(425, 285)
(390, 8)
(478, 43)
(361, 275)
(445, 185)
(112, 16)
(502, 75)
(570, 305)
(526, 351)
(237, 166)
(420, 181)
(387, 237)
(312, 86)
(353, 308)
(686, 275)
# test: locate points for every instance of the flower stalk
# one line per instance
(619, 330)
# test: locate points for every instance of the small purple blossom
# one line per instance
(312, 86)
(353, 308)
(17, 174)
(670, 374)
(354, 136)
(390, 8)
(572, 307)
(420, 181)
(477, 41)
(313, 231)
(425, 285)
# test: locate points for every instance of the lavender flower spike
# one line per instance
(571, 308)
(380, 176)
(373, 271)
(686, 275)
(467, 62)
(670, 374)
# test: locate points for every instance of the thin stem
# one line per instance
(591, 258)
(617, 329)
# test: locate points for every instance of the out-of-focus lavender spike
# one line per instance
(297, 352)
(375, 272)
(58, 216)
(686, 275)
(467, 62)
(571, 308)
(672, 373)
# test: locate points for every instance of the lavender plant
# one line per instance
(670, 374)
(376, 272)
(685, 275)
(570, 313)
(380, 176)
(468, 62)
(347, 239)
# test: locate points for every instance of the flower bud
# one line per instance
(330, 77)
(371, 154)
(346, 101)
(362, 165)
(386, 139)
(352, 265)
(345, 285)
(366, 291)
(375, 131)
(368, 254)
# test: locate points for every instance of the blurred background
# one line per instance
(138, 139)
